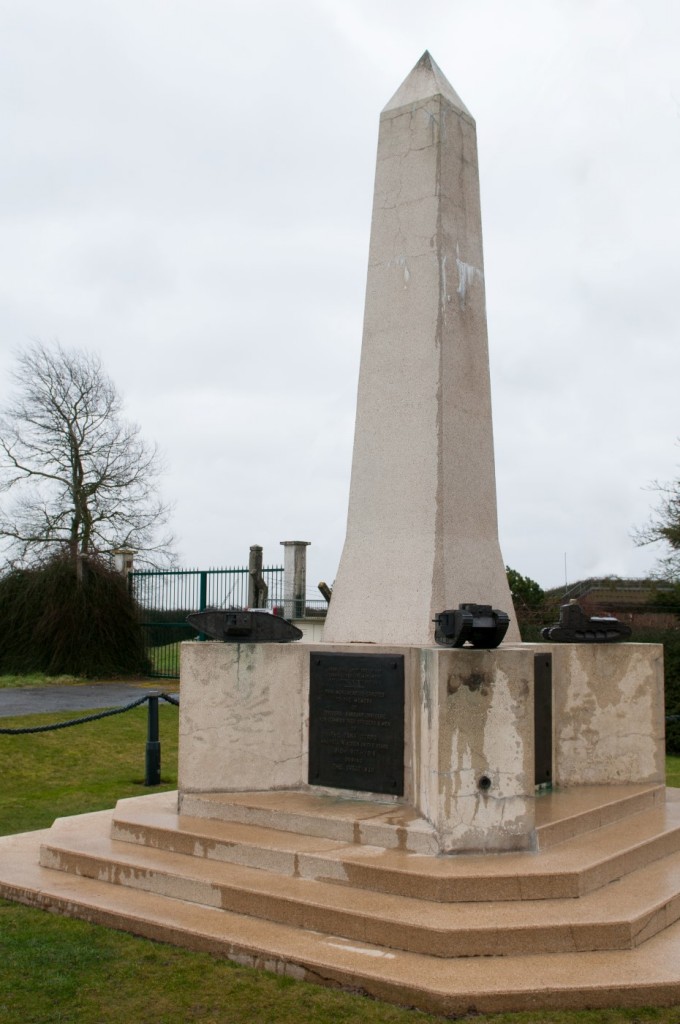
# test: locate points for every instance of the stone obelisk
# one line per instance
(422, 531)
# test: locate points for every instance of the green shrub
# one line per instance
(52, 622)
(670, 638)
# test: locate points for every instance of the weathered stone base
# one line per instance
(297, 883)
(469, 728)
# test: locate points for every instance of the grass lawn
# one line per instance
(164, 664)
(54, 970)
(673, 772)
(40, 679)
(59, 970)
(84, 768)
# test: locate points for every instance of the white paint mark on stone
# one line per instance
(442, 283)
(467, 275)
(366, 952)
(401, 261)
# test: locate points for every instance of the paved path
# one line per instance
(36, 700)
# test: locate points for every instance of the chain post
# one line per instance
(203, 598)
(153, 744)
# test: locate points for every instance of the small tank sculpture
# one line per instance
(479, 625)
(575, 627)
(244, 627)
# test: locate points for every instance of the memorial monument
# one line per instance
(422, 531)
(378, 711)
(334, 798)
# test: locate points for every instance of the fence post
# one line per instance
(257, 587)
(294, 578)
(153, 744)
(124, 560)
(202, 597)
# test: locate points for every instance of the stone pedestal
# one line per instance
(469, 728)
(474, 771)
(608, 713)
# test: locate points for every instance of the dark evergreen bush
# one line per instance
(670, 638)
(53, 623)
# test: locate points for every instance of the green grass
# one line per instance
(55, 970)
(164, 663)
(673, 771)
(40, 679)
(84, 768)
(61, 971)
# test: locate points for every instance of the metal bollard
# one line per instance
(153, 744)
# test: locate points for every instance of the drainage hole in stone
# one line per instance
(484, 783)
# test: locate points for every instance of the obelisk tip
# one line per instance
(425, 80)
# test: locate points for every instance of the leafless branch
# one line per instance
(79, 478)
(664, 526)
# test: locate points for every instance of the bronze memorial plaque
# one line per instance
(356, 722)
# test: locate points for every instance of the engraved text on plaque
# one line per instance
(356, 722)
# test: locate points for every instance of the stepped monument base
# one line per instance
(351, 888)
(450, 829)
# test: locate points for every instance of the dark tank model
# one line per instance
(479, 625)
(575, 627)
(247, 627)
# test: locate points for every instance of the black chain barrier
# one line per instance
(91, 718)
(152, 775)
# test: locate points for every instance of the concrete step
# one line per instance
(560, 814)
(646, 975)
(578, 865)
(390, 825)
(618, 916)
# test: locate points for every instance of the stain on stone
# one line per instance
(426, 696)
(452, 684)
(476, 682)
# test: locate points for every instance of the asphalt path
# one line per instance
(37, 700)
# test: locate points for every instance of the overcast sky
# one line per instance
(186, 187)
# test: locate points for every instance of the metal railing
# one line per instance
(165, 597)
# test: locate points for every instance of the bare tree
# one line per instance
(81, 480)
(664, 525)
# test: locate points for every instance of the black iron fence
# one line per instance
(166, 596)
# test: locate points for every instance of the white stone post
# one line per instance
(294, 578)
(124, 560)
